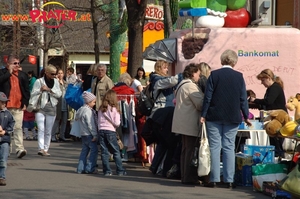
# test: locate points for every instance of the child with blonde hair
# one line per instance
(108, 120)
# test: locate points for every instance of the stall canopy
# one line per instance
(165, 50)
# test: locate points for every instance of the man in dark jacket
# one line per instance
(15, 84)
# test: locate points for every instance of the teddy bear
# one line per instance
(275, 120)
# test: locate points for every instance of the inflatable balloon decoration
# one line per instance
(216, 13)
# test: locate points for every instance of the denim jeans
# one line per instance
(222, 136)
(87, 164)
(4, 151)
(108, 143)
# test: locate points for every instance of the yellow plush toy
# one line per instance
(275, 120)
(288, 129)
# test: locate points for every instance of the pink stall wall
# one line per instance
(283, 42)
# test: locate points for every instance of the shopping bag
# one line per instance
(267, 172)
(204, 154)
(75, 130)
(73, 95)
(291, 183)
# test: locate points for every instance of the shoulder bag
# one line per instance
(34, 104)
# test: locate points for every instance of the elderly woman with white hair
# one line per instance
(224, 100)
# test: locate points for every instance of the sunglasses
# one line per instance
(16, 63)
(53, 74)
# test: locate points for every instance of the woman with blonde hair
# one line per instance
(162, 85)
(133, 83)
(48, 87)
(205, 72)
(162, 88)
(274, 99)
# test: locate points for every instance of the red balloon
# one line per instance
(237, 18)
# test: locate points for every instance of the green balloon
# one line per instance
(217, 5)
(235, 4)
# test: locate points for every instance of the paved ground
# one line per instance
(54, 177)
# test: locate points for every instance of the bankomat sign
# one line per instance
(255, 53)
(59, 15)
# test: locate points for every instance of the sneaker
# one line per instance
(2, 182)
(41, 152)
(108, 174)
(21, 153)
(46, 153)
(124, 173)
(34, 137)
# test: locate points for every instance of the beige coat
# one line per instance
(104, 85)
(189, 100)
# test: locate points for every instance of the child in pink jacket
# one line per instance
(108, 121)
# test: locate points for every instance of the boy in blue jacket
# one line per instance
(7, 123)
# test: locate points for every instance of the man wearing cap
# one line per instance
(7, 123)
(15, 84)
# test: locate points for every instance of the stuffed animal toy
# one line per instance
(275, 120)
(293, 104)
(289, 128)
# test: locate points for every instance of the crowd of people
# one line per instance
(183, 102)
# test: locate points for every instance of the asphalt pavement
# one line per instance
(40, 177)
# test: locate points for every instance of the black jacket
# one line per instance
(5, 86)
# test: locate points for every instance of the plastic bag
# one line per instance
(267, 172)
(291, 182)
(75, 130)
(73, 95)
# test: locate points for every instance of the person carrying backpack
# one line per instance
(162, 86)
(162, 89)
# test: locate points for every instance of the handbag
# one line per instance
(291, 183)
(34, 105)
(120, 143)
(204, 159)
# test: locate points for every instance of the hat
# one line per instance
(3, 97)
(88, 97)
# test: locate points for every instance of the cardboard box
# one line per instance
(256, 125)
(271, 189)
(258, 153)
(243, 170)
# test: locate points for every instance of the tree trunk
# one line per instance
(136, 20)
(167, 18)
(95, 30)
(114, 68)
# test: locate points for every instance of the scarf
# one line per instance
(49, 82)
